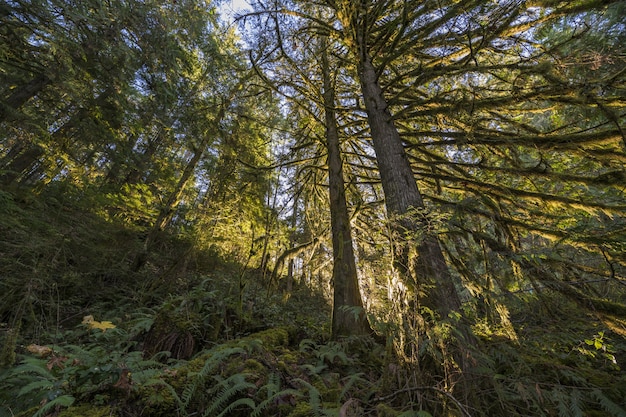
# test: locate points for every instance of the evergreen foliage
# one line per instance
(200, 221)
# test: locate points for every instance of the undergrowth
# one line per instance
(186, 339)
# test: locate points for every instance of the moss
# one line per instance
(86, 411)
(271, 338)
(156, 400)
(253, 366)
(302, 410)
(383, 410)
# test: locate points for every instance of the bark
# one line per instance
(348, 314)
(401, 196)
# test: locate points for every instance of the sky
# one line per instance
(231, 7)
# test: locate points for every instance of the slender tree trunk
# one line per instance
(348, 314)
(292, 244)
(169, 207)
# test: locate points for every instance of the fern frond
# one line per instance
(574, 405)
(562, 402)
(273, 399)
(412, 413)
(312, 369)
(307, 345)
(226, 390)
(315, 400)
(32, 388)
(352, 379)
(60, 401)
(32, 366)
(608, 405)
(240, 402)
(199, 378)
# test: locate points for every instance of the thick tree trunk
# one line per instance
(348, 314)
(402, 195)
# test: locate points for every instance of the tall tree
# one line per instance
(347, 295)
(311, 88)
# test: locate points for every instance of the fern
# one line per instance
(240, 402)
(412, 413)
(32, 365)
(561, 403)
(352, 379)
(36, 387)
(574, 405)
(200, 378)
(315, 400)
(274, 394)
(60, 401)
(608, 405)
(332, 351)
(226, 390)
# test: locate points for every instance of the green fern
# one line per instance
(35, 388)
(608, 405)
(274, 394)
(199, 379)
(225, 391)
(352, 379)
(238, 403)
(60, 401)
(315, 400)
(412, 413)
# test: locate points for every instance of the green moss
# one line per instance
(302, 410)
(271, 338)
(86, 411)
(156, 400)
(254, 367)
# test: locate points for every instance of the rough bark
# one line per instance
(348, 314)
(402, 195)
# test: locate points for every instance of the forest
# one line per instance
(313, 208)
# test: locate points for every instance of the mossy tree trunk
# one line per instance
(348, 314)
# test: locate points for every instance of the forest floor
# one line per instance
(193, 333)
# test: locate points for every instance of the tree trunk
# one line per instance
(401, 196)
(348, 314)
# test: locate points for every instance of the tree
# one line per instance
(312, 90)
(347, 295)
